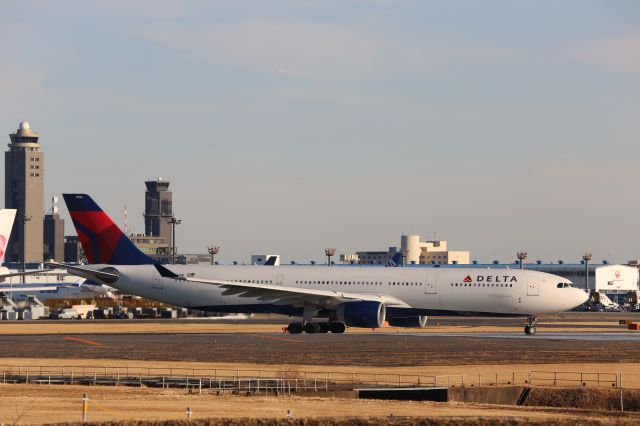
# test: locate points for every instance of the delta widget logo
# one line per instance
(468, 279)
(3, 245)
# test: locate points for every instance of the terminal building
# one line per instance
(415, 252)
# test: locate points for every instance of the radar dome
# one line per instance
(25, 125)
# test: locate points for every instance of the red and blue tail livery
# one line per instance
(102, 240)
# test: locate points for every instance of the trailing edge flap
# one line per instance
(108, 277)
(296, 295)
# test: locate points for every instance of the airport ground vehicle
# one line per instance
(76, 312)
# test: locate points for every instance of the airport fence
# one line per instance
(293, 380)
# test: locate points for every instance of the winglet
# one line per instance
(271, 261)
(395, 261)
(166, 273)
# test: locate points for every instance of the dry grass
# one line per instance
(369, 421)
(592, 399)
(37, 404)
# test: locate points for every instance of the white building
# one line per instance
(430, 252)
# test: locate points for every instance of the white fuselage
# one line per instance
(488, 291)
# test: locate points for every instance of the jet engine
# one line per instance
(417, 322)
(366, 314)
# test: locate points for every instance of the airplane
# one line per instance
(78, 289)
(341, 297)
(42, 286)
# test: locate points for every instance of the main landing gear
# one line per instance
(309, 327)
(530, 328)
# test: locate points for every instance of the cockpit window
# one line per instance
(565, 285)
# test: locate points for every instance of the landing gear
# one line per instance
(295, 328)
(309, 327)
(530, 328)
(337, 327)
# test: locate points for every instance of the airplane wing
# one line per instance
(283, 295)
(21, 287)
(18, 274)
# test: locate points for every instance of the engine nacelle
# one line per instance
(362, 314)
(416, 322)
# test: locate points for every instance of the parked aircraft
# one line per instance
(353, 297)
(42, 283)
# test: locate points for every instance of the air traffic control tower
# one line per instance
(23, 190)
(158, 209)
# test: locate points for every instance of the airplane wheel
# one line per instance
(311, 328)
(324, 327)
(295, 328)
(530, 329)
(337, 327)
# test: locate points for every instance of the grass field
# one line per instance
(36, 404)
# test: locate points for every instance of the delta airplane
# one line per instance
(44, 283)
(346, 297)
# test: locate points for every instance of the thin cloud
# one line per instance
(282, 48)
(620, 52)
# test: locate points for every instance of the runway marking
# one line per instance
(88, 342)
(282, 339)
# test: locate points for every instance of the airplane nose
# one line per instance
(581, 297)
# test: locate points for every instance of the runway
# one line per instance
(355, 349)
(587, 336)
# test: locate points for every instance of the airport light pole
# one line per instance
(522, 255)
(329, 252)
(213, 250)
(586, 257)
(173, 221)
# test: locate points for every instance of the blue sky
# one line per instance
(291, 126)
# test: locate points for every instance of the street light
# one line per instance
(24, 219)
(586, 257)
(213, 250)
(522, 255)
(173, 221)
(329, 252)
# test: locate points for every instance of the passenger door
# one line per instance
(158, 283)
(431, 284)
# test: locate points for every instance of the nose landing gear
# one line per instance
(530, 328)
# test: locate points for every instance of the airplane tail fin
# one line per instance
(395, 261)
(101, 239)
(7, 217)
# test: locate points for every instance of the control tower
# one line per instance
(158, 209)
(23, 190)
